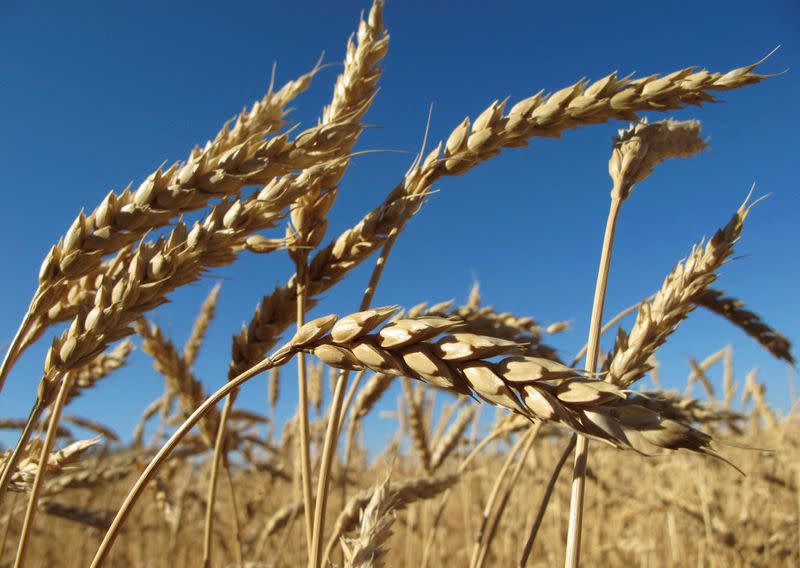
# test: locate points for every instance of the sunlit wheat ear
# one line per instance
(353, 94)
(226, 164)
(643, 146)
(401, 495)
(537, 388)
(365, 550)
(25, 471)
(659, 317)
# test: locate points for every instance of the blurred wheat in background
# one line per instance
(658, 478)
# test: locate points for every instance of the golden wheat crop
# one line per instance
(659, 478)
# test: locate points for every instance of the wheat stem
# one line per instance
(279, 357)
(548, 491)
(13, 350)
(331, 435)
(50, 438)
(33, 418)
(302, 415)
(485, 547)
(487, 510)
(218, 460)
(582, 450)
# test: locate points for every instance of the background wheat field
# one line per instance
(461, 294)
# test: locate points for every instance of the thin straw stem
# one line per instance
(13, 351)
(44, 456)
(279, 357)
(582, 452)
(11, 464)
(331, 436)
(443, 501)
(302, 413)
(504, 501)
(479, 536)
(607, 327)
(216, 462)
(548, 492)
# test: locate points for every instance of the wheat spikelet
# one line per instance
(274, 387)
(235, 158)
(676, 406)
(100, 520)
(19, 424)
(540, 389)
(643, 146)
(281, 517)
(732, 309)
(672, 303)
(402, 494)
(93, 475)
(201, 323)
(23, 475)
(158, 268)
(377, 517)
(485, 320)
(315, 379)
(352, 96)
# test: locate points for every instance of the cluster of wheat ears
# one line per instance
(211, 474)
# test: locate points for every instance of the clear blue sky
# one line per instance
(97, 94)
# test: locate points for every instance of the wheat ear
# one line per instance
(402, 494)
(733, 310)
(377, 517)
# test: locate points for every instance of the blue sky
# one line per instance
(98, 94)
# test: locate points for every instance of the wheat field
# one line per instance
(502, 450)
